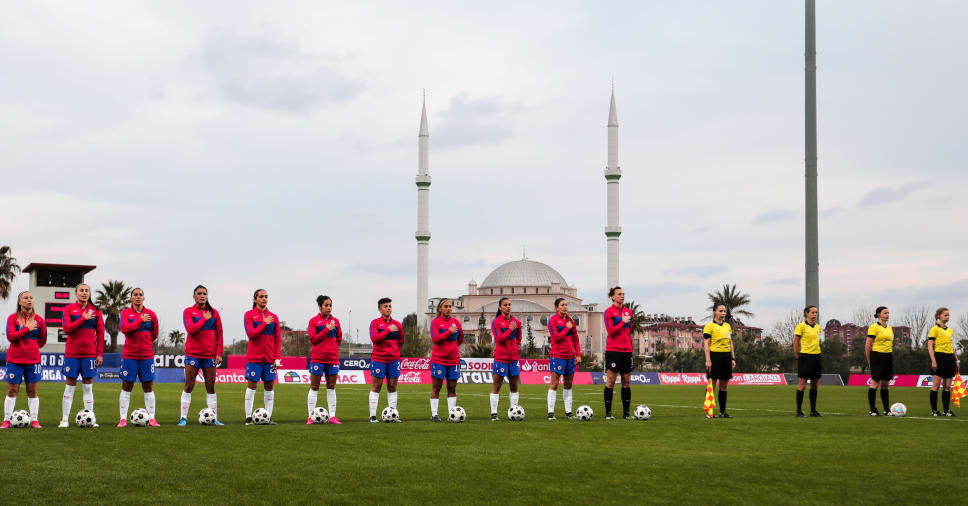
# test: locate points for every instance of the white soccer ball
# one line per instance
(898, 409)
(206, 416)
(260, 416)
(584, 413)
(20, 419)
(516, 413)
(85, 418)
(320, 415)
(390, 414)
(457, 414)
(642, 412)
(139, 417)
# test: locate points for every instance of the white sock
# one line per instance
(434, 403)
(552, 398)
(374, 400)
(68, 400)
(211, 400)
(494, 400)
(331, 401)
(267, 398)
(567, 396)
(513, 396)
(186, 402)
(451, 403)
(150, 404)
(123, 403)
(249, 400)
(8, 405)
(392, 399)
(33, 404)
(311, 400)
(87, 393)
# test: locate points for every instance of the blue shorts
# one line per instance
(562, 366)
(383, 369)
(132, 369)
(505, 369)
(260, 371)
(83, 366)
(16, 373)
(450, 372)
(321, 369)
(200, 363)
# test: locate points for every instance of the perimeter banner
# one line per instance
(900, 380)
(699, 378)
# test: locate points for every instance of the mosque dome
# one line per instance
(525, 272)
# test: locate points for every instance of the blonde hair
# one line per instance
(21, 310)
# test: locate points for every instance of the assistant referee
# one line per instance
(806, 347)
(720, 357)
(880, 358)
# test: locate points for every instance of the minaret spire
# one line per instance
(612, 175)
(423, 214)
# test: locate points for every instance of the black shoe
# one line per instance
(875, 413)
(374, 420)
(936, 413)
(949, 413)
(888, 413)
(570, 416)
(815, 414)
(724, 415)
(800, 414)
(435, 418)
(248, 421)
(551, 416)
(494, 417)
(626, 416)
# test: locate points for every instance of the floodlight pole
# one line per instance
(812, 276)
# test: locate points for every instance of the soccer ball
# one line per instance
(457, 414)
(20, 419)
(585, 413)
(320, 415)
(642, 412)
(516, 413)
(390, 414)
(206, 416)
(260, 416)
(85, 418)
(898, 409)
(139, 417)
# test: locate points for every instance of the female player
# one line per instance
(447, 336)
(565, 350)
(203, 351)
(84, 353)
(506, 330)
(263, 353)
(140, 327)
(387, 336)
(806, 347)
(27, 334)
(618, 351)
(944, 362)
(325, 334)
(880, 359)
(720, 356)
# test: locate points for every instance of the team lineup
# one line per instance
(84, 327)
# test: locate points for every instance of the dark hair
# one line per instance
(138, 288)
(208, 304)
(937, 314)
(558, 301)
(498, 313)
(716, 306)
(383, 301)
(321, 299)
(611, 291)
(256, 294)
(807, 310)
(80, 285)
(877, 311)
(441, 303)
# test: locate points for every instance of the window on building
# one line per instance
(512, 290)
(530, 318)
(500, 291)
(525, 290)
(492, 291)
(467, 319)
(544, 321)
(577, 321)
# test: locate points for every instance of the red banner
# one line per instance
(900, 380)
(682, 378)
(238, 362)
(699, 378)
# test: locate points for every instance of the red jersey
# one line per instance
(25, 344)
(265, 339)
(204, 336)
(564, 341)
(325, 342)
(386, 344)
(85, 338)
(619, 332)
(447, 343)
(139, 336)
(507, 342)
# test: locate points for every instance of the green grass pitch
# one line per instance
(763, 456)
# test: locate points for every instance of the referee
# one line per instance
(618, 351)
(944, 362)
(806, 347)
(880, 359)
(720, 358)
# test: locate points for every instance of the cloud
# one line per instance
(699, 271)
(775, 215)
(468, 121)
(783, 281)
(880, 196)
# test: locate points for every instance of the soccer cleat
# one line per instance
(335, 421)
(153, 423)
(218, 422)
(609, 417)
(888, 413)
(183, 422)
(800, 414)
(95, 425)
(435, 418)
(875, 413)
(63, 424)
(724, 415)
(949, 413)
(570, 416)
(270, 422)
(397, 420)
(936, 413)
(123, 422)
(815, 414)
(626, 416)
(5, 424)
(551, 416)
(374, 420)
(35, 425)
(248, 421)
(494, 417)
(708, 416)
(309, 421)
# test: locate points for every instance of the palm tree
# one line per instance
(733, 299)
(112, 297)
(8, 271)
(176, 337)
(638, 317)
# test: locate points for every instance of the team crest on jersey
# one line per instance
(502, 369)
(124, 373)
(613, 364)
(68, 368)
(378, 371)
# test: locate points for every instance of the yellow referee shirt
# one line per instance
(942, 339)
(720, 336)
(809, 338)
(883, 338)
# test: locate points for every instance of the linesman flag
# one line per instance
(710, 401)
(958, 390)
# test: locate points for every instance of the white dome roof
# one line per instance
(524, 272)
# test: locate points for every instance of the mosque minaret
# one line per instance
(423, 214)
(612, 175)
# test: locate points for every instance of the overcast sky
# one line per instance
(251, 145)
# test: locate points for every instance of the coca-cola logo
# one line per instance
(415, 364)
(410, 378)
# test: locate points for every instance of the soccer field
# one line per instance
(764, 455)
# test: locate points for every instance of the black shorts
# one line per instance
(808, 366)
(722, 368)
(946, 365)
(618, 361)
(882, 366)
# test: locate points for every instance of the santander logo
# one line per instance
(415, 364)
